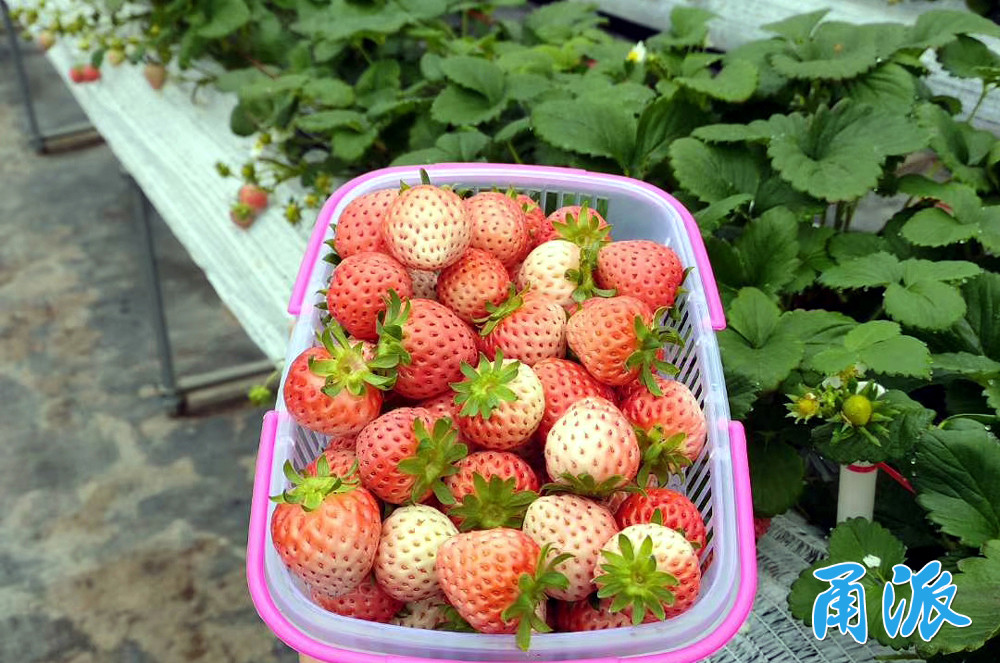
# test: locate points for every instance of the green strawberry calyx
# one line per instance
(532, 591)
(661, 454)
(497, 314)
(585, 484)
(437, 452)
(485, 387)
(632, 579)
(389, 329)
(584, 229)
(452, 620)
(347, 367)
(310, 491)
(493, 503)
(650, 341)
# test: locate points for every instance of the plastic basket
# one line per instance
(718, 482)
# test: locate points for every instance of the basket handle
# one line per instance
(716, 313)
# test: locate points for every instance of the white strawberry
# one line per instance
(545, 269)
(425, 613)
(427, 227)
(404, 564)
(574, 525)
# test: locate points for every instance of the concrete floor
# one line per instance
(122, 529)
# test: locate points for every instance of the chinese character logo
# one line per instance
(842, 606)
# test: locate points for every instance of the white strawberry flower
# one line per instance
(872, 561)
(638, 53)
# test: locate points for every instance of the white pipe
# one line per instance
(857, 491)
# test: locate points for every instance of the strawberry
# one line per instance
(579, 224)
(442, 405)
(326, 530)
(403, 455)
(404, 564)
(254, 196)
(45, 40)
(76, 75)
(491, 489)
(495, 581)
(761, 527)
(359, 227)
(502, 402)
(617, 342)
(156, 75)
(368, 602)
(115, 57)
(91, 73)
(432, 342)
(427, 227)
(359, 289)
(592, 448)
(331, 389)
(426, 613)
(664, 506)
(469, 286)
(575, 525)
(648, 569)
(526, 327)
(564, 382)
(242, 215)
(424, 283)
(590, 614)
(342, 462)
(534, 218)
(545, 271)
(645, 270)
(498, 226)
(672, 426)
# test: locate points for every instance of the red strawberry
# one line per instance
(491, 489)
(404, 564)
(526, 327)
(487, 464)
(242, 215)
(564, 383)
(341, 462)
(498, 226)
(673, 425)
(156, 75)
(476, 281)
(502, 402)
(641, 269)
(427, 227)
(254, 196)
(76, 75)
(664, 507)
(331, 389)
(666, 592)
(575, 525)
(534, 217)
(432, 341)
(368, 602)
(424, 283)
(91, 73)
(360, 225)
(359, 289)
(481, 574)
(590, 614)
(592, 448)
(545, 271)
(403, 455)
(617, 341)
(326, 531)
(761, 527)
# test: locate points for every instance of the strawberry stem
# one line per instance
(584, 229)
(634, 581)
(532, 591)
(497, 314)
(661, 455)
(310, 491)
(496, 503)
(437, 453)
(485, 387)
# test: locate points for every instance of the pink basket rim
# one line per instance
(716, 313)
(302, 643)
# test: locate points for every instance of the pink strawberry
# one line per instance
(156, 75)
(360, 225)
(487, 464)
(403, 455)
(331, 389)
(442, 405)
(673, 425)
(502, 402)
(641, 269)
(564, 383)
(432, 342)
(427, 227)
(666, 592)
(664, 507)
(526, 327)
(342, 462)
(579, 224)
(617, 342)
(534, 217)
(575, 525)
(76, 75)
(491, 489)
(495, 581)
(592, 448)
(545, 271)
(242, 215)
(368, 602)
(498, 226)
(326, 530)
(469, 286)
(359, 289)
(404, 564)
(590, 614)
(91, 73)
(424, 283)
(254, 196)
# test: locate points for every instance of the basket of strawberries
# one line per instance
(503, 431)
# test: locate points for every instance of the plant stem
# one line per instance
(513, 152)
(852, 207)
(878, 312)
(987, 88)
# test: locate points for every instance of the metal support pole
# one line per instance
(37, 141)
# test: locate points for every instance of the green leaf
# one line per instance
(935, 227)
(797, 28)
(953, 141)
(525, 86)
(605, 129)
(924, 304)
(955, 478)
(558, 22)
(835, 51)
(876, 269)
(756, 344)
(974, 367)
(938, 270)
(688, 27)
(350, 144)
(331, 92)
(241, 122)
(907, 424)
(982, 297)
(379, 82)
(756, 131)
(660, 123)
(769, 250)
(814, 257)
(845, 246)
(881, 347)
(224, 17)
(777, 474)
(735, 82)
(463, 145)
(459, 106)
(937, 28)
(513, 129)
(330, 119)
(709, 218)
(235, 79)
(965, 57)
(889, 86)
(759, 53)
(343, 20)
(742, 395)
(819, 330)
(271, 88)
(477, 75)
(715, 172)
